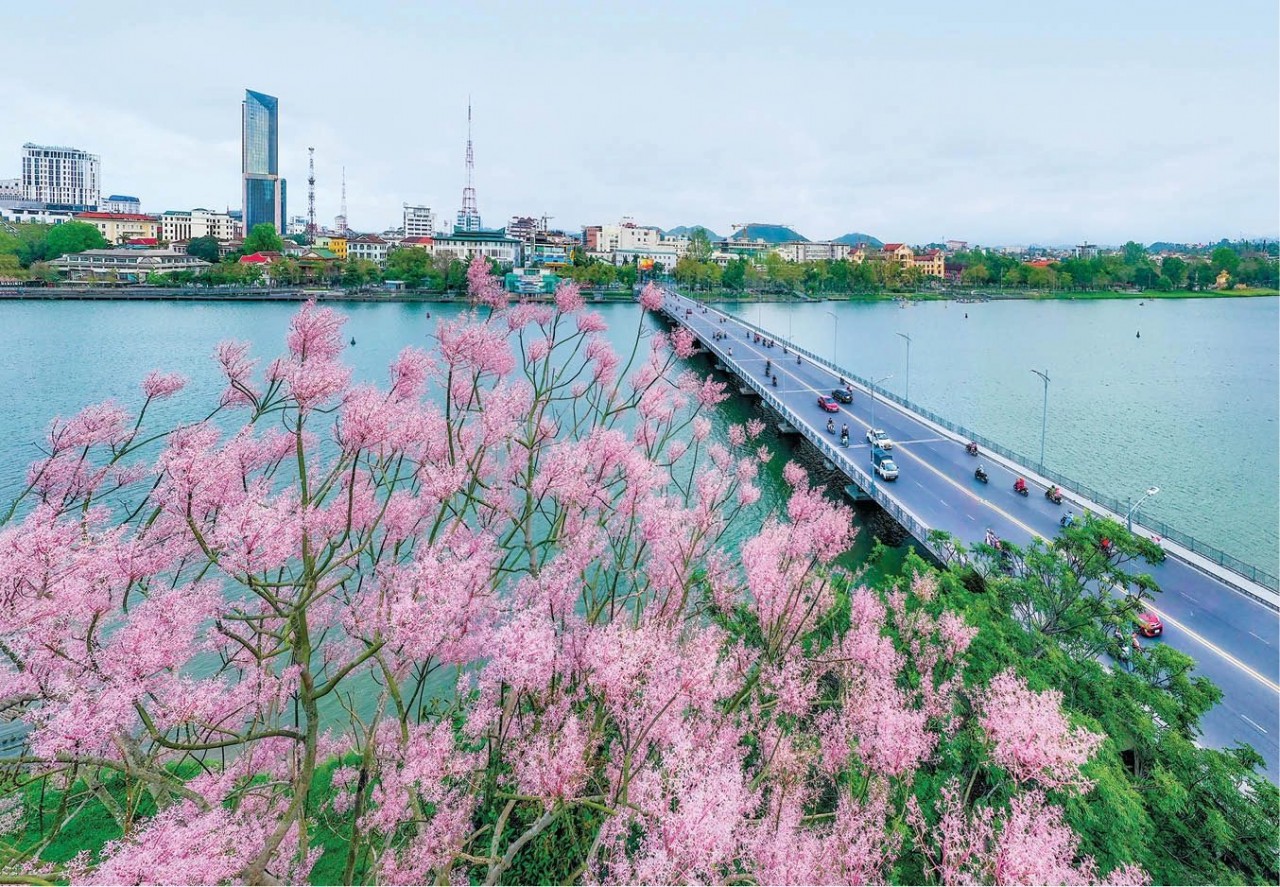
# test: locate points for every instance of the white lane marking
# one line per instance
(1205, 642)
(1255, 724)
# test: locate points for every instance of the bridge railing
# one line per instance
(1158, 527)
(840, 457)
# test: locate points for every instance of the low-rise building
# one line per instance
(10, 189)
(367, 246)
(178, 225)
(418, 243)
(334, 243)
(466, 245)
(931, 262)
(810, 251)
(119, 227)
(125, 265)
(121, 203)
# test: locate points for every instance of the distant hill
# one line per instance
(769, 234)
(855, 238)
(686, 230)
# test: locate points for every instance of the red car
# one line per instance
(1149, 625)
(828, 404)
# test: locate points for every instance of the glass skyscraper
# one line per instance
(264, 199)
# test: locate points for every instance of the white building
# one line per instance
(419, 221)
(178, 225)
(465, 245)
(10, 189)
(122, 203)
(802, 251)
(124, 264)
(633, 237)
(297, 225)
(367, 246)
(63, 177)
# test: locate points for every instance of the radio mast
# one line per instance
(311, 196)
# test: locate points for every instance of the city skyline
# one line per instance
(1007, 126)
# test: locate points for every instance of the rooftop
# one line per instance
(118, 217)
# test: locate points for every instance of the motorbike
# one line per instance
(1054, 495)
(971, 448)
(775, 381)
(980, 475)
(844, 438)
(1066, 520)
(768, 368)
(831, 427)
(1020, 487)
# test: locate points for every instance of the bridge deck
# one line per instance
(1227, 623)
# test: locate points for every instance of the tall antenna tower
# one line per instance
(469, 215)
(342, 219)
(311, 196)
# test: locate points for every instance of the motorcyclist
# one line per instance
(775, 380)
(1068, 519)
(1019, 485)
(980, 473)
(831, 426)
(768, 368)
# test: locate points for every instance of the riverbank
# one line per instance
(164, 294)
(730, 297)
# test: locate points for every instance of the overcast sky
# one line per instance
(997, 123)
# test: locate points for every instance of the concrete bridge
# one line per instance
(1222, 612)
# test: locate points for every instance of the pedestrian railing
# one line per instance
(1156, 527)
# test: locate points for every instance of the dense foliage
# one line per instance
(483, 625)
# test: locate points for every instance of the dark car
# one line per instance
(844, 395)
(1149, 625)
(828, 404)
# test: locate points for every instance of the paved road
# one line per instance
(1234, 639)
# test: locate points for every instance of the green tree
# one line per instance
(411, 265)
(975, 275)
(1134, 253)
(1175, 269)
(628, 274)
(734, 276)
(699, 248)
(1224, 258)
(203, 248)
(10, 267)
(72, 237)
(263, 238)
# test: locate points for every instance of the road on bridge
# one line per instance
(1234, 638)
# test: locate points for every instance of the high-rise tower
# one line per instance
(263, 189)
(469, 215)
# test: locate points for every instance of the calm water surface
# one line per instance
(1190, 405)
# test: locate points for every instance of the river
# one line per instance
(1180, 394)
(1190, 405)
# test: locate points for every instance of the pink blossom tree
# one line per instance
(494, 604)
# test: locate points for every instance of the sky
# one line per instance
(998, 123)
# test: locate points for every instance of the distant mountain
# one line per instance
(854, 238)
(686, 230)
(768, 233)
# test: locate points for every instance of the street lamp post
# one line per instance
(1044, 416)
(1128, 518)
(873, 400)
(835, 328)
(907, 396)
